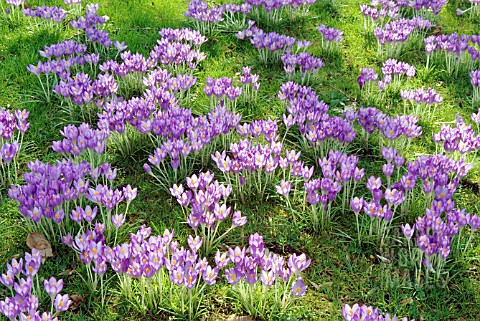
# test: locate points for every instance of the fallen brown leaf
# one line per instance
(38, 242)
(76, 301)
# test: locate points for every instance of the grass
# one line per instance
(340, 272)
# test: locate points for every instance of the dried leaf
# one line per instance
(76, 301)
(38, 242)
(76, 298)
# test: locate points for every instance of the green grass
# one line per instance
(340, 272)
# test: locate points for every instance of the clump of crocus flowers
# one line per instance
(206, 204)
(366, 313)
(22, 282)
(256, 274)
(222, 91)
(396, 34)
(438, 233)
(205, 17)
(379, 13)
(179, 49)
(156, 272)
(318, 129)
(13, 126)
(453, 51)
(54, 13)
(273, 11)
(250, 85)
(393, 76)
(395, 131)
(83, 142)
(93, 26)
(306, 63)
(234, 17)
(424, 102)
(475, 81)
(393, 71)
(340, 173)
(270, 45)
(435, 5)
(58, 198)
(184, 138)
(250, 165)
(460, 140)
(366, 82)
(331, 38)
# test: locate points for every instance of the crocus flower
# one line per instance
(129, 193)
(89, 213)
(356, 204)
(195, 243)
(62, 302)
(299, 288)
(408, 231)
(233, 276)
(120, 46)
(118, 220)
(67, 239)
(7, 279)
(210, 275)
(267, 278)
(15, 266)
(284, 187)
(23, 287)
(53, 287)
(298, 263)
(238, 219)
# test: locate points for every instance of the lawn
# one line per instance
(173, 133)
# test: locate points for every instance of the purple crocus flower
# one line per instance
(7, 279)
(15, 266)
(237, 255)
(194, 243)
(374, 183)
(233, 275)
(298, 263)
(267, 277)
(9, 308)
(222, 260)
(251, 276)
(210, 275)
(474, 222)
(23, 287)
(238, 219)
(118, 220)
(89, 213)
(120, 46)
(299, 288)
(356, 204)
(8, 151)
(388, 169)
(53, 287)
(62, 302)
(408, 231)
(284, 188)
(129, 193)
